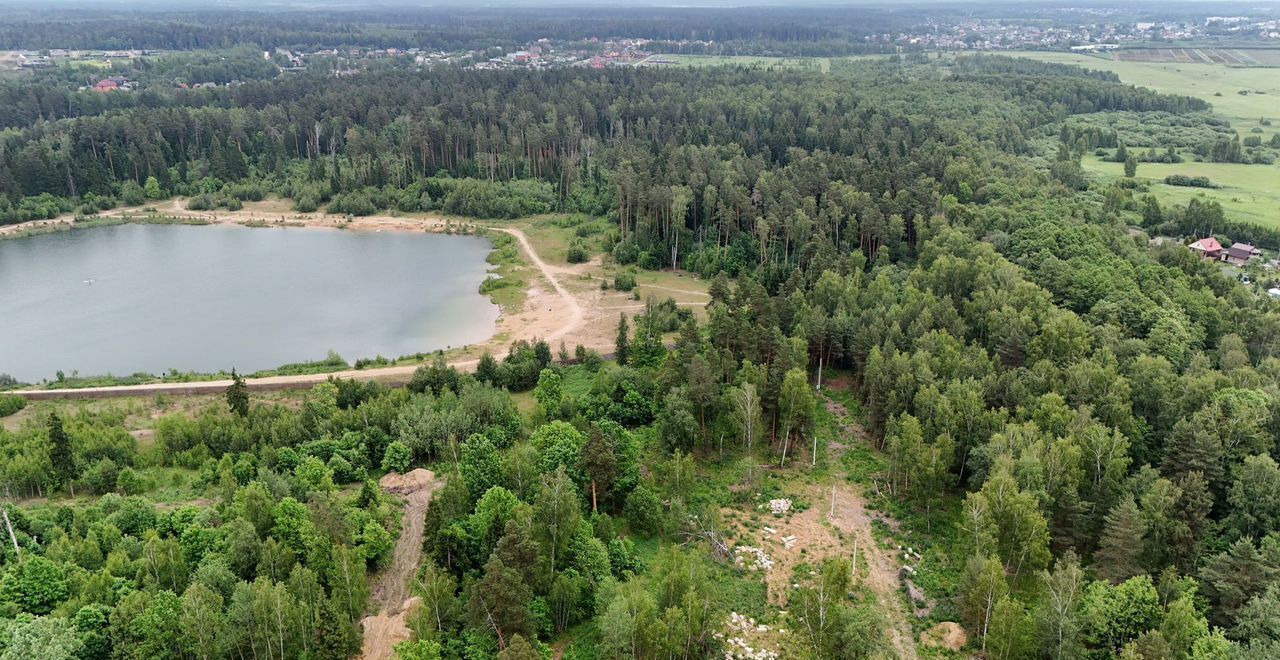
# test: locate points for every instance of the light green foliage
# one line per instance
(36, 585)
(548, 393)
(45, 637)
(1115, 615)
(557, 511)
(481, 466)
(397, 457)
(152, 188)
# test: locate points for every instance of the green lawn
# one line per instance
(1218, 84)
(1249, 193)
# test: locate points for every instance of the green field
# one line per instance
(1218, 84)
(1249, 193)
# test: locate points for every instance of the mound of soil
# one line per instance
(412, 481)
(947, 635)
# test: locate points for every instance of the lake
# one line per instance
(151, 298)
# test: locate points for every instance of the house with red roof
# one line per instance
(1208, 248)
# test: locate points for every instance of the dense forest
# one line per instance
(761, 30)
(1079, 426)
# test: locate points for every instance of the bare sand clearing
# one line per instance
(562, 303)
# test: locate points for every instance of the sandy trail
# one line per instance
(846, 508)
(881, 575)
(575, 309)
(549, 317)
(390, 596)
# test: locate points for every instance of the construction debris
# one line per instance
(752, 558)
(779, 506)
(737, 645)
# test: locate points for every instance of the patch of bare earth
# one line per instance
(390, 593)
(846, 506)
(880, 573)
(947, 635)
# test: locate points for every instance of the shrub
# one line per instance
(352, 204)
(397, 457)
(202, 202)
(129, 482)
(644, 511)
(11, 403)
(578, 253)
(132, 193)
(102, 476)
(1189, 181)
(624, 281)
(306, 204)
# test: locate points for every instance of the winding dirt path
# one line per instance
(575, 308)
(390, 596)
(563, 321)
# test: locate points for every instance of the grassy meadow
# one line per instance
(1219, 84)
(1249, 193)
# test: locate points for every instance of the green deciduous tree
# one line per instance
(557, 511)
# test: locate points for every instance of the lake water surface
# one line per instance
(151, 298)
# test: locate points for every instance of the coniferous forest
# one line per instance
(915, 291)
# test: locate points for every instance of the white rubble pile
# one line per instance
(752, 557)
(788, 542)
(736, 645)
(779, 506)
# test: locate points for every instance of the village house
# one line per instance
(1207, 248)
(1239, 254)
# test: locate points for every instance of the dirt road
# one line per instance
(390, 596)
(846, 508)
(881, 575)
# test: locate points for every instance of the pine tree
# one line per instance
(336, 636)
(60, 453)
(1117, 556)
(500, 602)
(519, 649)
(599, 463)
(622, 345)
(238, 395)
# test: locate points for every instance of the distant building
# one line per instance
(113, 83)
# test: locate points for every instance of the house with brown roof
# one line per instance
(1239, 254)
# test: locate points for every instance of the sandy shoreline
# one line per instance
(562, 303)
